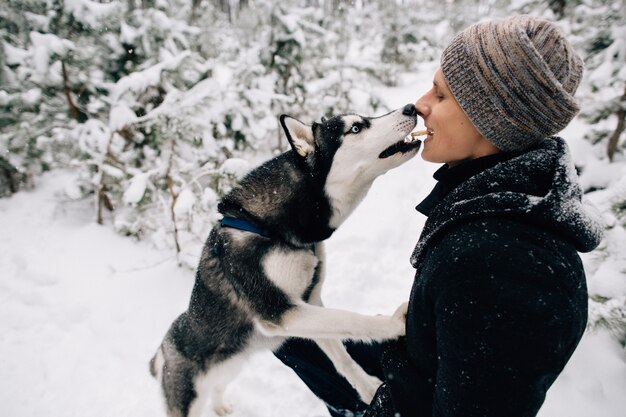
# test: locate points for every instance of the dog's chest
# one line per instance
(291, 271)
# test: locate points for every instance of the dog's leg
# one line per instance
(364, 383)
(219, 405)
(179, 379)
(197, 404)
(219, 378)
(212, 383)
(314, 322)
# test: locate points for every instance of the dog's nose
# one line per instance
(409, 110)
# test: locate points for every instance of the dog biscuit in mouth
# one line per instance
(419, 133)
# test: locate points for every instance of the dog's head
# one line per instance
(351, 151)
(371, 144)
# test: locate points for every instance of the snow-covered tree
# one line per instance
(405, 40)
(156, 162)
(601, 26)
(606, 266)
(127, 94)
(599, 31)
(51, 77)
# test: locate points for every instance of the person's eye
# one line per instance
(355, 129)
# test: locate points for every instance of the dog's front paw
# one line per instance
(222, 409)
(398, 321)
(367, 388)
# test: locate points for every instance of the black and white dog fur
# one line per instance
(254, 290)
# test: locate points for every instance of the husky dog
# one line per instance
(261, 270)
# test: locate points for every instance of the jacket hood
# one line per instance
(539, 187)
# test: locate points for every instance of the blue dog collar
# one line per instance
(245, 225)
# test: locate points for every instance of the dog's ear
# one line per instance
(299, 135)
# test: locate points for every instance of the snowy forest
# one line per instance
(156, 108)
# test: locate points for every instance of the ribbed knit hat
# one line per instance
(515, 79)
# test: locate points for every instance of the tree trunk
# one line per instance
(9, 178)
(66, 89)
(174, 195)
(194, 10)
(619, 129)
(223, 6)
(2, 64)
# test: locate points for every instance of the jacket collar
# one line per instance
(539, 187)
(448, 178)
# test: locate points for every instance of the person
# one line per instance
(499, 300)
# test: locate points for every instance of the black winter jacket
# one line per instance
(499, 301)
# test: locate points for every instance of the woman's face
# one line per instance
(452, 137)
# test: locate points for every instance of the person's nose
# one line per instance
(422, 108)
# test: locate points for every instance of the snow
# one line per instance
(185, 202)
(137, 188)
(128, 34)
(609, 280)
(120, 116)
(617, 51)
(93, 136)
(141, 80)
(13, 55)
(32, 96)
(223, 75)
(360, 99)
(83, 309)
(235, 166)
(45, 45)
(593, 383)
(605, 268)
(91, 13)
(209, 198)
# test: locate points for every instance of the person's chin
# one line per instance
(426, 156)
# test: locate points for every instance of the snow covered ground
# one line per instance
(82, 309)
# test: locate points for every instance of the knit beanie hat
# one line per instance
(514, 78)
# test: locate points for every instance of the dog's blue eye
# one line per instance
(355, 129)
